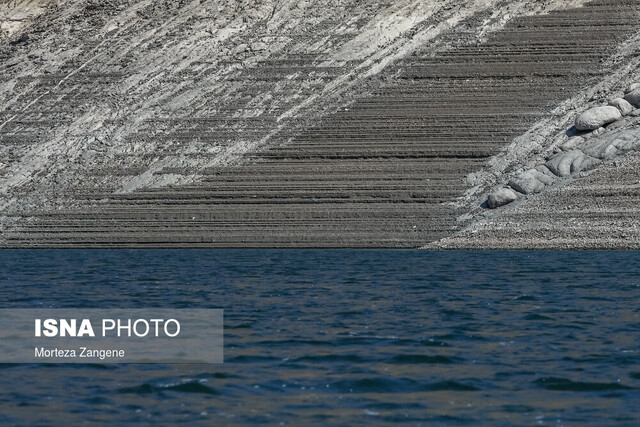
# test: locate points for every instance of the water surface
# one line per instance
(346, 337)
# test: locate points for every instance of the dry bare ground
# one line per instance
(282, 123)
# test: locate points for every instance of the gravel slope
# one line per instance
(278, 123)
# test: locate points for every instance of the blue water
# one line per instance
(346, 337)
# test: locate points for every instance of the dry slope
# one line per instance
(282, 123)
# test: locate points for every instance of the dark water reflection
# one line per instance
(347, 337)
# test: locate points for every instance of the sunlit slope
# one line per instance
(276, 123)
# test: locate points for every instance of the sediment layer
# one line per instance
(368, 165)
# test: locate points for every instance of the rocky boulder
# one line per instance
(601, 149)
(613, 145)
(622, 104)
(633, 97)
(564, 164)
(501, 197)
(532, 181)
(596, 117)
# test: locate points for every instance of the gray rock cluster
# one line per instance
(532, 181)
(564, 164)
(578, 154)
